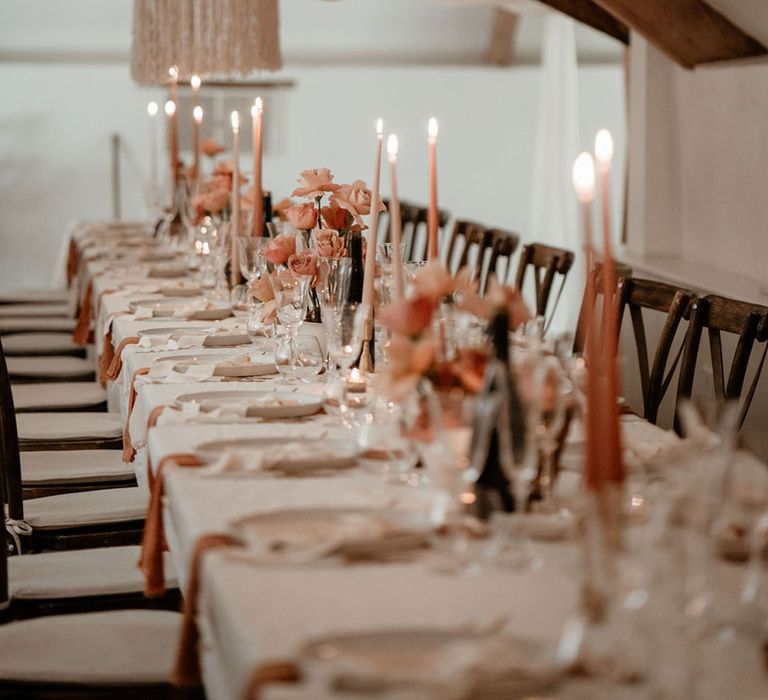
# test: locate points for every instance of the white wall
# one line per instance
(56, 121)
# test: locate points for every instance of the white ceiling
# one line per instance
(315, 32)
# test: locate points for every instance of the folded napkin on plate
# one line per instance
(186, 310)
(158, 343)
(163, 371)
(278, 456)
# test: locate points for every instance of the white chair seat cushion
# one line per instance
(122, 646)
(73, 466)
(68, 426)
(58, 395)
(44, 323)
(36, 296)
(54, 366)
(29, 343)
(80, 572)
(29, 310)
(87, 508)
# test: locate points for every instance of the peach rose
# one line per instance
(212, 200)
(497, 296)
(302, 216)
(315, 182)
(261, 289)
(408, 362)
(334, 217)
(408, 317)
(211, 148)
(279, 249)
(356, 199)
(303, 263)
(279, 210)
(433, 282)
(328, 243)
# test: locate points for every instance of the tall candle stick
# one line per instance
(394, 214)
(235, 227)
(370, 258)
(170, 111)
(257, 116)
(152, 110)
(610, 325)
(173, 72)
(433, 216)
(197, 115)
(195, 84)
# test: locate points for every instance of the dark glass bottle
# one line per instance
(356, 275)
(499, 431)
(267, 204)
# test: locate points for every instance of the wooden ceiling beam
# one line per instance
(690, 31)
(501, 48)
(595, 16)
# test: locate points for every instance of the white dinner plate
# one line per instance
(265, 404)
(165, 308)
(167, 271)
(175, 331)
(226, 340)
(180, 290)
(223, 369)
(349, 532)
(345, 453)
(497, 666)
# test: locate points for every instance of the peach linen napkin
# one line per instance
(80, 335)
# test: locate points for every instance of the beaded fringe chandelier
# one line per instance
(222, 38)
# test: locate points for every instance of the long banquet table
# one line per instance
(252, 614)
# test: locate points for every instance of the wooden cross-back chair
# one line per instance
(718, 315)
(93, 518)
(89, 652)
(467, 236)
(636, 294)
(546, 264)
(503, 247)
(413, 220)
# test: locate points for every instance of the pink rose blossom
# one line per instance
(407, 362)
(211, 148)
(212, 200)
(329, 243)
(433, 282)
(303, 263)
(334, 217)
(261, 289)
(408, 317)
(279, 210)
(302, 216)
(279, 249)
(354, 198)
(315, 182)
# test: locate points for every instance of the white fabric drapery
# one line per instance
(554, 211)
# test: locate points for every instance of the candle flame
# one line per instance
(170, 108)
(173, 72)
(584, 177)
(604, 148)
(197, 113)
(195, 82)
(152, 108)
(392, 147)
(379, 127)
(258, 106)
(432, 129)
(235, 117)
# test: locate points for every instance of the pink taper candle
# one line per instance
(152, 110)
(173, 72)
(433, 217)
(370, 258)
(195, 84)
(257, 115)
(170, 111)
(396, 223)
(234, 273)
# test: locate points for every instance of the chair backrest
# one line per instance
(636, 294)
(467, 236)
(503, 247)
(546, 264)
(579, 339)
(10, 461)
(718, 315)
(417, 247)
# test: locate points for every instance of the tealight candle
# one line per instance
(356, 381)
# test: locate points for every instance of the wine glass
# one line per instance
(344, 326)
(249, 253)
(334, 276)
(291, 298)
(310, 358)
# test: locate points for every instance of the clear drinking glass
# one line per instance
(291, 298)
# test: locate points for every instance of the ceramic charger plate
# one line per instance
(180, 290)
(261, 404)
(349, 532)
(165, 308)
(316, 454)
(430, 660)
(169, 271)
(211, 339)
(223, 369)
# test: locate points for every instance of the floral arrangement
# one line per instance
(213, 195)
(417, 351)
